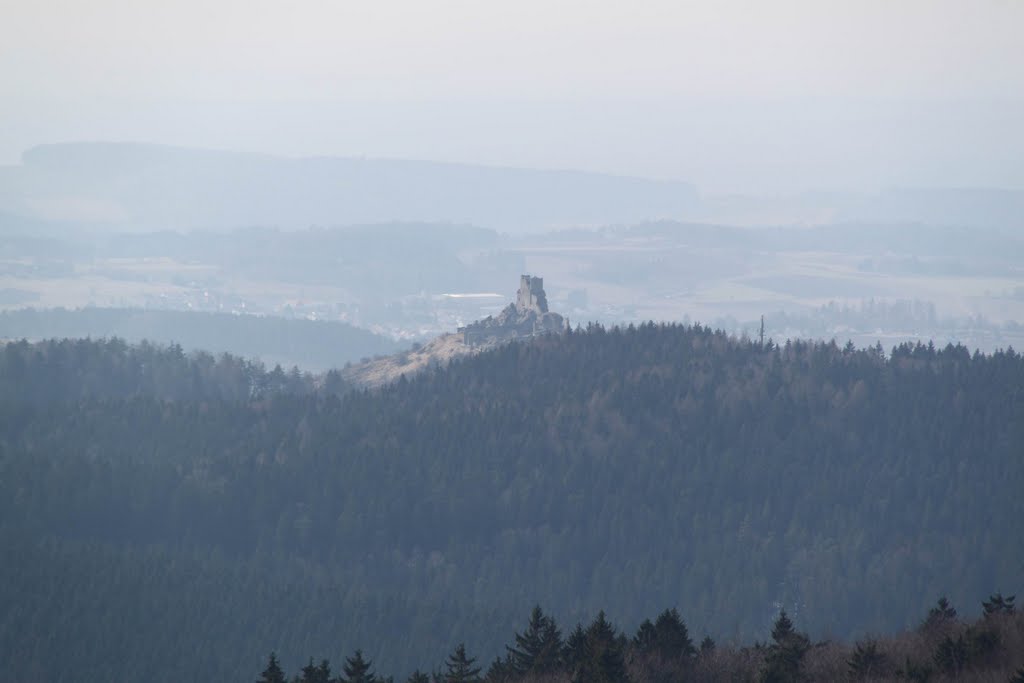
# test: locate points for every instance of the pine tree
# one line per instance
(604, 657)
(357, 670)
(785, 656)
(273, 672)
(418, 676)
(997, 604)
(943, 611)
(316, 673)
(667, 637)
(645, 640)
(940, 619)
(539, 648)
(575, 650)
(782, 629)
(672, 636)
(707, 646)
(460, 667)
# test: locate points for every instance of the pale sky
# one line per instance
(733, 96)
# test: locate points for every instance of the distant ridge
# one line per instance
(108, 186)
(144, 186)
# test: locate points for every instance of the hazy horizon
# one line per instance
(733, 98)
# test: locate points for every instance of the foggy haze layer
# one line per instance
(735, 97)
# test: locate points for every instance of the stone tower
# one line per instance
(531, 295)
(527, 317)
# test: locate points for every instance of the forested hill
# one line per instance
(628, 470)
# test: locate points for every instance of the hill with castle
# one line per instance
(527, 317)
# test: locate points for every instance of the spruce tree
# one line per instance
(357, 670)
(943, 611)
(460, 667)
(786, 654)
(575, 649)
(672, 637)
(645, 641)
(940, 620)
(316, 673)
(782, 629)
(273, 672)
(418, 676)
(539, 648)
(604, 655)
(997, 604)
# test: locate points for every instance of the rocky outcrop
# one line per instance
(527, 317)
(380, 371)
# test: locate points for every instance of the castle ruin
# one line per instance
(527, 317)
(531, 296)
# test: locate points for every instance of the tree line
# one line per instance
(941, 648)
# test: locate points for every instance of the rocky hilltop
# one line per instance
(527, 317)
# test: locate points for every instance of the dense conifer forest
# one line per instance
(170, 516)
